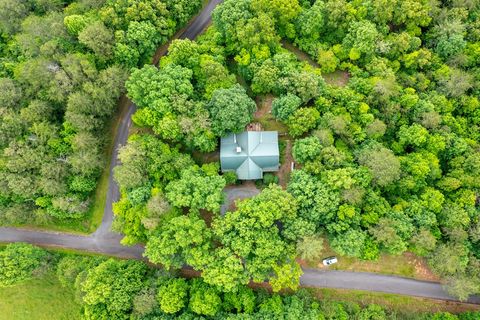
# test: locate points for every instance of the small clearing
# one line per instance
(264, 116)
(405, 265)
(337, 78)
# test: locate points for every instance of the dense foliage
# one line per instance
(119, 289)
(62, 70)
(191, 98)
(389, 162)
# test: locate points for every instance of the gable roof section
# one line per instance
(259, 153)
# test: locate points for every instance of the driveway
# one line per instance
(237, 192)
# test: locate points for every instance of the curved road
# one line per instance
(104, 241)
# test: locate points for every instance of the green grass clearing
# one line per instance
(38, 299)
(405, 265)
(404, 305)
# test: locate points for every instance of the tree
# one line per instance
(196, 190)
(265, 77)
(423, 242)
(388, 233)
(110, 287)
(306, 149)
(185, 53)
(184, 239)
(350, 243)
(71, 268)
(75, 23)
(316, 201)
(204, 300)
(172, 295)
(287, 276)
(225, 271)
(307, 85)
(449, 259)
(10, 93)
(251, 232)
(145, 302)
(382, 163)
(283, 11)
(284, 106)
(12, 12)
(149, 87)
(18, 262)
(230, 110)
(214, 76)
(361, 39)
(310, 22)
(372, 312)
(242, 300)
(327, 61)
(98, 38)
(462, 286)
(302, 120)
(310, 248)
(414, 135)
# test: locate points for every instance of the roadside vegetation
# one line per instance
(62, 70)
(53, 285)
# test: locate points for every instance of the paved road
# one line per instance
(376, 282)
(106, 242)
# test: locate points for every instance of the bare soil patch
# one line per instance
(337, 78)
(285, 169)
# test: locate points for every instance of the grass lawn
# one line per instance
(405, 265)
(403, 305)
(39, 299)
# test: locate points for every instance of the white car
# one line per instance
(330, 260)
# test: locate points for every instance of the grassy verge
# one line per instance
(403, 305)
(39, 299)
(100, 199)
(405, 265)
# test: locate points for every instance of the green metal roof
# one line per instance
(250, 154)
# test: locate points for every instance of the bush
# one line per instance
(18, 262)
(230, 177)
(269, 178)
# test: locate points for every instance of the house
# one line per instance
(249, 154)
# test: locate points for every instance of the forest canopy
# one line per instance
(62, 70)
(389, 160)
